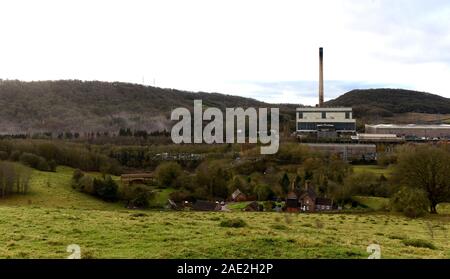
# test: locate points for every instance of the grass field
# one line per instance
(378, 170)
(53, 215)
(31, 232)
(375, 203)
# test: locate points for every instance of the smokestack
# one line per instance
(320, 77)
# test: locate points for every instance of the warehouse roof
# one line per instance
(410, 126)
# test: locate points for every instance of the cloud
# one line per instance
(301, 92)
(266, 49)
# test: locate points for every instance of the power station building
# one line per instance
(314, 120)
(324, 121)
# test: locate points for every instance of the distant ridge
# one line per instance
(386, 102)
(86, 106)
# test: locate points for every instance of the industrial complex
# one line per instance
(333, 130)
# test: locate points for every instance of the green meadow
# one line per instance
(52, 216)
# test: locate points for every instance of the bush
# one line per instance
(15, 155)
(34, 161)
(412, 202)
(386, 159)
(77, 175)
(167, 173)
(419, 243)
(137, 195)
(268, 206)
(85, 185)
(4, 155)
(106, 188)
(233, 223)
(365, 184)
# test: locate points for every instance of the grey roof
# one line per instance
(410, 126)
(235, 194)
(205, 206)
(327, 109)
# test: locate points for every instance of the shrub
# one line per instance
(15, 155)
(233, 223)
(397, 236)
(268, 205)
(34, 161)
(419, 243)
(412, 202)
(77, 175)
(106, 188)
(4, 155)
(167, 173)
(85, 185)
(137, 195)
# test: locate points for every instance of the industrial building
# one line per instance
(411, 131)
(316, 120)
(347, 152)
(324, 121)
(328, 123)
(378, 138)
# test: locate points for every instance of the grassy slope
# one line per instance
(58, 216)
(40, 232)
(53, 190)
(378, 170)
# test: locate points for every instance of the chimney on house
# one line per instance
(320, 76)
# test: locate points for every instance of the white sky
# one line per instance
(267, 50)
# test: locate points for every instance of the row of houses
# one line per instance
(297, 200)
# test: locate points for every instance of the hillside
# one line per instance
(84, 106)
(52, 216)
(387, 102)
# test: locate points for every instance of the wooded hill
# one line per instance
(85, 106)
(387, 102)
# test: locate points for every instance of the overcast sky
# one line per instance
(267, 50)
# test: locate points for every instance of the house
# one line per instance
(238, 196)
(306, 200)
(292, 202)
(323, 204)
(206, 206)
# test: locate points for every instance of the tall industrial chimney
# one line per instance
(320, 77)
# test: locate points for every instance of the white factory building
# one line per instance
(312, 120)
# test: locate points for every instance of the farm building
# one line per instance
(441, 131)
(347, 152)
(142, 178)
(206, 206)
